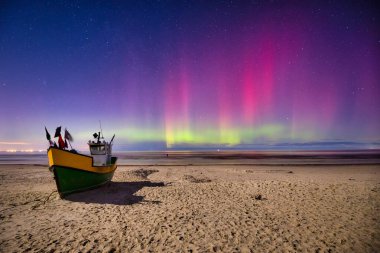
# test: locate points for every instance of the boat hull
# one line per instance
(75, 172)
(70, 180)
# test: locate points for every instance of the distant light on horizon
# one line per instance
(13, 143)
(11, 150)
(21, 150)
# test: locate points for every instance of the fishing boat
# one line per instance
(74, 172)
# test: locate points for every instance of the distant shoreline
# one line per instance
(187, 158)
(219, 151)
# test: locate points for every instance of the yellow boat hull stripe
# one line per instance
(59, 157)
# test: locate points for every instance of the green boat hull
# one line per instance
(70, 180)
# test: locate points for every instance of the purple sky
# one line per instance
(191, 74)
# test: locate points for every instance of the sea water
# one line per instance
(216, 157)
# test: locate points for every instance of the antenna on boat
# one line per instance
(112, 139)
(100, 123)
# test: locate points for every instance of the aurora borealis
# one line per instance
(172, 74)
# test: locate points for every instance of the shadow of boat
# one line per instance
(116, 193)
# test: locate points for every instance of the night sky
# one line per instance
(191, 74)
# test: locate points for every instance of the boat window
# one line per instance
(97, 150)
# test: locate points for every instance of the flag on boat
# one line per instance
(57, 132)
(48, 137)
(68, 136)
(61, 143)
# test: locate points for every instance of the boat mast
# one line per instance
(101, 131)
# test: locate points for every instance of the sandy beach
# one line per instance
(213, 208)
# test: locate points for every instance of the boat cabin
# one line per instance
(101, 152)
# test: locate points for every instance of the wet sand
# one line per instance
(208, 208)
